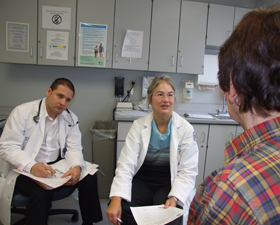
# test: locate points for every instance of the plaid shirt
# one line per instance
(247, 189)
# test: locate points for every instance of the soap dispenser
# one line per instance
(187, 90)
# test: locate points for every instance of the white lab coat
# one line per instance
(21, 140)
(183, 159)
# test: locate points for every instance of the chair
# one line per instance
(20, 200)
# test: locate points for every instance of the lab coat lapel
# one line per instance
(35, 141)
(176, 136)
(146, 134)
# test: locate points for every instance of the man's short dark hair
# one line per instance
(64, 82)
(251, 58)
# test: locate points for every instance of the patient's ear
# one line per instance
(233, 95)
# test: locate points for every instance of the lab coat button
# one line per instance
(9, 197)
(12, 180)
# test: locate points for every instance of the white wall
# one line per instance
(94, 98)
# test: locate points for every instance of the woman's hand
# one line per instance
(114, 210)
(170, 202)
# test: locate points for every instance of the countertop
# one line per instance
(131, 115)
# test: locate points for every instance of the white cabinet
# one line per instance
(219, 135)
(123, 128)
(220, 24)
(131, 15)
(192, 37)
(97, 12)
(238, 14)
(164, 35)
(201, 132)
(56, 32)
(21, 36)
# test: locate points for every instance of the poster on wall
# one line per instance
(17, 36)
(92, 45)
(56, 17)
(57, 45)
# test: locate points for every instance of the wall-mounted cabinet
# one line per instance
(131, 15)
(174, 32)
(238, 14)
(56, 32)
(164, 35)
(18, 31)
(95, 12)
(192, 37)
(220, 23)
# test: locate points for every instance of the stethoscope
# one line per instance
(37, 117)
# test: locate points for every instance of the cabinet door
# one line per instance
(164, 35)
(131, 15)
(96, 12)
(201, 133)
(18, 44)
(192, 37)
(123, 128)
(239, 130)
(238, 14)
(220, 24)
(219, 135)
(56, 32)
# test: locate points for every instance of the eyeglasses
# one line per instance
(162, 95)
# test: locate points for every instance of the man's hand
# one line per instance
(75, 173)
(42, 170)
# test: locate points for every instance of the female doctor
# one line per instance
(158, 164)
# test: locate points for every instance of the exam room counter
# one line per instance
(120, 116)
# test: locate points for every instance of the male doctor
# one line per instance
(44, 130)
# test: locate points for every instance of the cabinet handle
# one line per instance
(41, 52)
(173, 60)
(204, 135)
(232, 135)
(31, 51)
(229, 33)
(182, 61)
(117, 56)
(107, 56)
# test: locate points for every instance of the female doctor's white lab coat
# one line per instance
(21, 141)
(183, 159)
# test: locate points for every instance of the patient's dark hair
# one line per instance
(251, 57)
(64, 82)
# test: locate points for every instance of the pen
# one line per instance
(119, 220)
(43, 161)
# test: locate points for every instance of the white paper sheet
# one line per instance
(54, 17)
(199, 116)
(60, 167)
(133, 44)
(155, 215)
(57, 45)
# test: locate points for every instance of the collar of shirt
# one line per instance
(256, 135)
